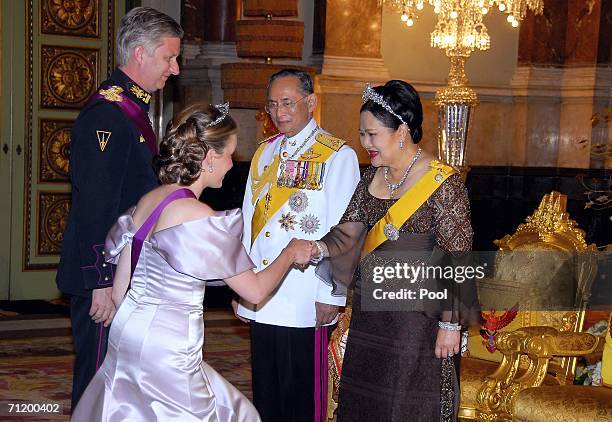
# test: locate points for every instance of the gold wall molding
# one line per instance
(73, 17)
(54, 151)
(68, 76)
(53, 208)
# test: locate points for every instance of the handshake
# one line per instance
(305, 252)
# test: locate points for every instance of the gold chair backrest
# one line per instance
(546, 257)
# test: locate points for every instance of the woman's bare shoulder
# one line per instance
(176, 212)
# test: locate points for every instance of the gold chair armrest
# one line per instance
(539, 344)
(490, 395)
(541, 348)
(561, 344)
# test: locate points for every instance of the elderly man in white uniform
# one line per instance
(299, 185)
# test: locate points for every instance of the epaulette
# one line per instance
(330, 141)
(112, 93)
(270, 139)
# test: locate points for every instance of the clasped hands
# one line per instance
(304, 252)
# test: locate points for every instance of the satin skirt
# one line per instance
(154, 371)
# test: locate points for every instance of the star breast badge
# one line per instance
(298, 201)
(288, 221)
(309, 224)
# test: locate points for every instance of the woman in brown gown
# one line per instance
(401, 361)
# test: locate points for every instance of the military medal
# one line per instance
(309, 155)
(287, 221)
(298, 201)
(287, 175)
(315, 178)
(391, 232)
(290, 170)
(309, 224)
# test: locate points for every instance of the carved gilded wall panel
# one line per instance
(53, 210)
(69, 49)
(54, 151)
(70, 17)
(68, 76)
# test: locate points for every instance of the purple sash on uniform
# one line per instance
(146, 227)
(135, 114)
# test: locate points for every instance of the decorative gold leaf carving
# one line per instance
(549, 224)
(68, 76)
(54, 150)
(53, 210)
(70, 17)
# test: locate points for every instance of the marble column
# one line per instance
(578, 94)
(351, 58)
(601, 141)
(555, 85)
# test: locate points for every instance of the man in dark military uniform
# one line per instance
(112, 146)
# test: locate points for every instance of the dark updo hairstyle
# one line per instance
(188, 139)
(403, 100)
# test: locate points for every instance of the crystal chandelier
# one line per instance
(459, 31)
(460, 25)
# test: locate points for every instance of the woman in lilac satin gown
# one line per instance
(165, 248)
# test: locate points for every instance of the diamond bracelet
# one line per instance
(320, 257)
(449, 326)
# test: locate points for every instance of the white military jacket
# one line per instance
(293, 302)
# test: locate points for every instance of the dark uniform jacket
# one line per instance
(110, 169)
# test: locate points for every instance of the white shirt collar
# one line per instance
(297, 142)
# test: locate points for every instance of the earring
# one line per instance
(210, 167)
(401, 143)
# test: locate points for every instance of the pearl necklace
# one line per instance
(395, 186)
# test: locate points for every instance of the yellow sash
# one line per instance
(410, 201)
(276, 196)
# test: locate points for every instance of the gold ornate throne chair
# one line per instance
(541, 271)
(568, 402)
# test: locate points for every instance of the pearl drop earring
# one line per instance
(401, 143)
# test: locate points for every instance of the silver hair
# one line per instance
(144, 26)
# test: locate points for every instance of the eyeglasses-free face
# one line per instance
(288, 107)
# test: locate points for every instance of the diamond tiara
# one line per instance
(224, 110)
(370, 94)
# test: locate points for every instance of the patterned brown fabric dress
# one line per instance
(390, 372)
